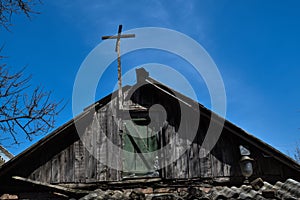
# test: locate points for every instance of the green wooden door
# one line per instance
(139, 149)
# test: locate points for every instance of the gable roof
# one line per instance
(263, 146)
(68, 129)
(56, 135)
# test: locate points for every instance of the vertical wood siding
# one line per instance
(75, 163)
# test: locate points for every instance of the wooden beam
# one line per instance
(55, 188)
(116, 36)
(6, 153)
(189, 105)
(125, 181)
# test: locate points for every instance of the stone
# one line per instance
(118, 195)
(134, 195)
(194, 193)
(257, 184)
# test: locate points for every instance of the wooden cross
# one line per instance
(117, 49)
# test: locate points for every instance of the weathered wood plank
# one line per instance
(111, 134)
(119, 143)
(169, 151)
(90, 164)
(108, 147)
(47, 172)
(216, 164)
(62, 165)
(79, 161)
(205, 163)
(216, 159)
(194, 161)
(70, 170)
(182, 155)
(176, 167)
(55, 170)
(102, 147)
(229, 156)
(94, 146)
(114, 152)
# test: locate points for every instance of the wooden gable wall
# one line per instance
(74, 163)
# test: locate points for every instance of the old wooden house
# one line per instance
(66, 159)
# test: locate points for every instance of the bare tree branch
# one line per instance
(297, 153)
(20, 112)
(11, 7)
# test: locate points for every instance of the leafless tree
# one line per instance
(22, 112)
(297, 153)
(11, 7)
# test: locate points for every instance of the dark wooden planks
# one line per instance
(46, 172)
(55, 169)
(79, 163)
(62, 159)
(194, 161)
(205, 163)
(181, 169)
(89, 144)
(70, 165)
(168, 152)
(102, 145)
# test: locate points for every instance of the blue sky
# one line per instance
(255, 45)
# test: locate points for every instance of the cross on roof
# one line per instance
(117, 49)
(118, 37)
